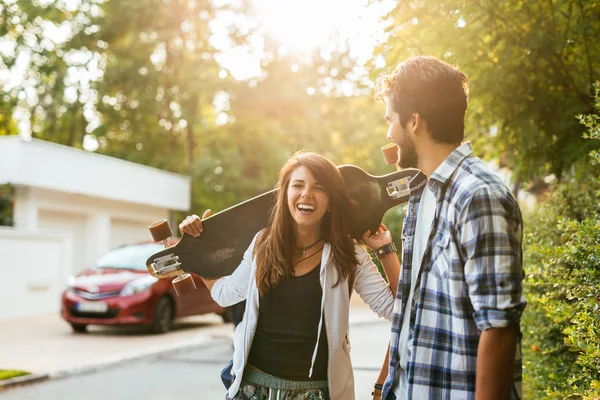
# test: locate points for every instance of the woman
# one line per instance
(296, 278)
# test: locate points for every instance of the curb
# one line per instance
(23, 380)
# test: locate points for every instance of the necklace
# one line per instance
(300, 251)
(307, 257)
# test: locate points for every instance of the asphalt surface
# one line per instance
(190, 373)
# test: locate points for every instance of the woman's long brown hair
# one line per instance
(275, 248)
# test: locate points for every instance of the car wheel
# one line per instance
(79, 328)
(163, 316)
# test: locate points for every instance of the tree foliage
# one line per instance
(531, 64)
(44, 86)
(562, 328)
(160, 78)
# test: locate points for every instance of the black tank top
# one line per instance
(286, 333)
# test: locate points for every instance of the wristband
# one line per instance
(377, 390)
(386, 249)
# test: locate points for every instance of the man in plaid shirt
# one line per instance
(456, 330)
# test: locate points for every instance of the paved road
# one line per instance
(191, 374)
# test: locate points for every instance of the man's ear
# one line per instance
(417, 124)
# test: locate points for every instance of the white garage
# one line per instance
(71, 206)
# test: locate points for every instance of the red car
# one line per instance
(118, 290)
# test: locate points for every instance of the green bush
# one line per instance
(7, 193)
(561, 325)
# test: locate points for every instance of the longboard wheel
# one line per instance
(183, 284)
(390, 153)
(160, 230)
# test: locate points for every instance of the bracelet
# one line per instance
(386, 249)
(377, 390)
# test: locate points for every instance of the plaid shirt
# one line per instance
(469, 280)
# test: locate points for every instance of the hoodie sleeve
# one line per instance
(371, 287)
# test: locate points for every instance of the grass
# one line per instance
(11, 373)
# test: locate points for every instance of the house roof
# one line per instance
(38, 163)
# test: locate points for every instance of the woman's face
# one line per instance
(307, 200)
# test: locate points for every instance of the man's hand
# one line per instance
(192, 225)
(381, 236)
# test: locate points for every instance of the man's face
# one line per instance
(400, 135)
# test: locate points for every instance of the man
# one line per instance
(456, 330)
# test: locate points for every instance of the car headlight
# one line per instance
(139, 285)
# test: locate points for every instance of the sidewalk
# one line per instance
(46, 347)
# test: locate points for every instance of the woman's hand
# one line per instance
(192, 225)
(381, 236)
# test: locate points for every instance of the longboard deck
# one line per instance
(227, 234)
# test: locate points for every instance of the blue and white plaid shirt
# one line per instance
(469, 281)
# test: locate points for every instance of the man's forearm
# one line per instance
(495, 363)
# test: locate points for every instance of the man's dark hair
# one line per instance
(435, 90)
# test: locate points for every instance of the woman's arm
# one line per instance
(391, 266)
(371, 286)
(232, 289)
(390, 261)
(382, 376)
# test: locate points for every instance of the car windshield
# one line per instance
(128, 257)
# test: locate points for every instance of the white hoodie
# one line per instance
(335, 305)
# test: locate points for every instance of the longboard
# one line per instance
(227, 234)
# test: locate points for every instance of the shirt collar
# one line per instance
(447, 168)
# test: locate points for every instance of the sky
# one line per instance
(299, 27)
(302, 26)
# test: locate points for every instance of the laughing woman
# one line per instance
(296, 278)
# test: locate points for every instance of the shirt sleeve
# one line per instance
(490, 231)
(371, 287)
(232, 289)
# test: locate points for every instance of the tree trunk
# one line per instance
(517, 184)
(189, 147)
(190, 139)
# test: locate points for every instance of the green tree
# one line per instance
(531, 65)
(42, 66)
(7, 193)
(562, 254)
(160, 76)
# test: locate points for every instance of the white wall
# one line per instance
(127, 231)
(34, 270)
(71, 225)
(96, 225)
